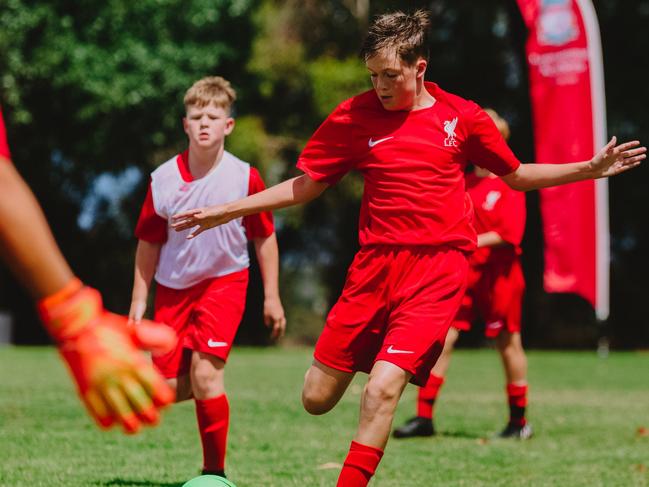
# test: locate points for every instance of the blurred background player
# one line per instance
(115, 380)
(411, 141)
(202, 284)
(494, 294)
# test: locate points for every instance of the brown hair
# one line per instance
(501, 123)
(407, 33)
(211, 89)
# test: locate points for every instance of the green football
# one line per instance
(208, 481)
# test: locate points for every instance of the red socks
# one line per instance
(427, 395)
(213, 417)
(517, 398)
(359, 466)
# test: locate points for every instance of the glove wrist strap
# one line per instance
(70, 310)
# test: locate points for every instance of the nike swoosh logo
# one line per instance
(214, 344)
(391, 349)
(372, 143)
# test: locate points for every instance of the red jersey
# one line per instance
(413, 165)
(4, 147)
(500, 209)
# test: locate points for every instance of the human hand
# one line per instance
(116, 381)
(203, 218)
(614, 159)
(274, 317)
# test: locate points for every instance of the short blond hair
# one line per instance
(213, 90)
(501, 123)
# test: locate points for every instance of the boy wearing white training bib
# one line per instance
(201, 284)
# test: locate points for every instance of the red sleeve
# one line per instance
(259, 225)
(487, 148)
(150, 227)
(327, 156)
(512, 213)
(4, 147)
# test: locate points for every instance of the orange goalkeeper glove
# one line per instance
(115, 380)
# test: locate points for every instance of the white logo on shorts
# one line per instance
(372, 143)
(391, 349)
(214, 344)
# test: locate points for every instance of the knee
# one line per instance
(206, 381)
(379, 397)
(314, 403)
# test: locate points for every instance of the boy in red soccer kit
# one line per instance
(494, 293)
(411, 141)
(115, 381)
(202, 284)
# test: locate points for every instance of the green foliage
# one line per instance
(333, 80)
(114, 71)
(95, 87)
(586, 413)
(277, 54)
(250, 142)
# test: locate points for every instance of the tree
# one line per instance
(95, 88)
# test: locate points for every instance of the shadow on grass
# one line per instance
(136, 483)
(460, 434)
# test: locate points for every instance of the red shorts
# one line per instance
(205, 317)
(495, 294)
(397, 305)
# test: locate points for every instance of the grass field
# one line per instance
(586, 412)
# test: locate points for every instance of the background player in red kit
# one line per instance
(116, 381)
(202, 284)
(411, 141)
(494, 294)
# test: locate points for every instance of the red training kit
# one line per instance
(213, 417)
(359, 466)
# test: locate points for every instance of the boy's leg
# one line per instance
(212, 409)
(183, 387)
(422, 424)
(515, 363)
(323, 387)
(378, 403)
(214, 324)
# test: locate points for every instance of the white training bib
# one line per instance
(216, 252)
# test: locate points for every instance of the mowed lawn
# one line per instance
(588, 414)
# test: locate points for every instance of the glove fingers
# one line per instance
(98, 409)
(155, 386)
(156, 337)
(122, 410)
(141, 401)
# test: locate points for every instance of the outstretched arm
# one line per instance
(268, 258)
(301, 189)
(611, 160)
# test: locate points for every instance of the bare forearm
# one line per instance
(146, 261)
(268, 258)
(26, 241)
(298, 190)
(490, 239)
(536, 176)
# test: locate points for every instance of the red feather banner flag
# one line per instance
(564, 55)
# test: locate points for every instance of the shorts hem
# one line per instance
(347, 370)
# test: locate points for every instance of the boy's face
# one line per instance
(206, 127)
(394, 80)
